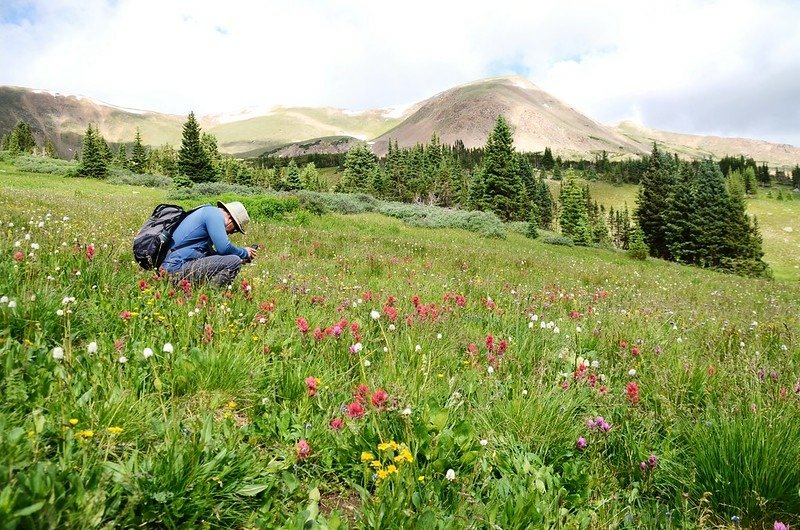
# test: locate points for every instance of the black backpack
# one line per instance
(151, 244)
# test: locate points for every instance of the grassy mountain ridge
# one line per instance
(466, 112)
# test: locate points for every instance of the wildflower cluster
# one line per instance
(391, 458)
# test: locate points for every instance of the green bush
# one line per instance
(559, 240)
(41, 164)
(121, 176)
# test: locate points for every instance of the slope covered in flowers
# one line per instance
(362, 373)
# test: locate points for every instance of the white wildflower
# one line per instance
(374, 315)
(450, 475)
(12, 304)
(148, 352)
(632, 372)
(392, 327)
(417, 348)
(484, 442)
(92, 347)
(406, 411)
(4, 300)
(122, 359)
(490, 369)
(167, 348)
(367, 364)
(58, 353)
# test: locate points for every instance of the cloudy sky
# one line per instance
(723, 67)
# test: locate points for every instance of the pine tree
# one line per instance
(711, 216)
(293, 182)
(637, 249)
(504, 191)
(681, 233)
(121, 157)
(50, 149)
(796, 177)
(547, 160)
(477, 190)
(310, 178)
(360, 163)
(22, 139)
(533, 221)
(545, 203)
(93, 163)
(193, 161)
(574, 220)
(138, 162)
(654, 190)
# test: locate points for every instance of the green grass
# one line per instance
(210, 428)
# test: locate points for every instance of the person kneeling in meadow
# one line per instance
(201, 250)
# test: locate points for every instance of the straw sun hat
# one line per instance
(237, 212)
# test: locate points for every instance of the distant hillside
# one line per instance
(539, 120)
(467, 113)
(65, 119)
(289, 125)
(695, 146)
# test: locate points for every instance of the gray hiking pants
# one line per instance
(219, 270)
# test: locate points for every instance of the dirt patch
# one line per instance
(346, 502)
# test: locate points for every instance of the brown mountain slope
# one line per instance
(64, 119)
(539, 120)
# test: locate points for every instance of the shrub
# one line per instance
(120, 176)
(41, 164)
(558, 240)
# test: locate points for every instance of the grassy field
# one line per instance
(362, 373)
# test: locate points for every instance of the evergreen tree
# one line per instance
(654, 191)
(547, 160)
(744, 244)
(293, 182)
(711, 216)
(533, 221)
(163, 161)
(121, 157)
(310, 178)
(477, 191)
(573, 220)
(138, 162)
(637, 248)
(504, 191)
(544, 201)
(93, 162)
(50, 149)
(22, 139)
(681, 233)
(796, 177)
(193, 161)
(749, 178)
(360, 164)
(763, 176)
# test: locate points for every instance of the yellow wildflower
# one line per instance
(391, 468)
(366, 456)
(231, 404)
(385, 446)
(84, 434)
(405, 454)
(115, 430)
(382, 474)
(376, 464)
(73, 421)
(421, 478)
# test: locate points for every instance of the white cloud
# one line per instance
(728, 67)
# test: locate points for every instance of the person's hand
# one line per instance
(251, 253)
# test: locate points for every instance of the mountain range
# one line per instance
(466, 113)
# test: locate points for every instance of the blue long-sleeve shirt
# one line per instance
(202, 233)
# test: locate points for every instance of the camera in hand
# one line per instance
(255, 247)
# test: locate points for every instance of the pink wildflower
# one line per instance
(303, 449)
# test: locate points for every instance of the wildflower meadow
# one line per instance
(365, 373)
